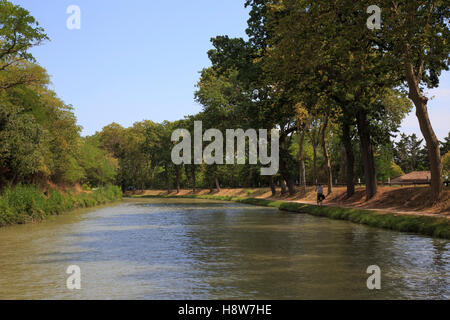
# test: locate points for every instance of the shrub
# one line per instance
(27, 203)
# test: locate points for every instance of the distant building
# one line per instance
(415, 177)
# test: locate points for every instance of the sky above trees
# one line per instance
(141, 60)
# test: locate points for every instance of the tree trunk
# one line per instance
(217, 184)
(167, 178)
(178, 179)
(350, 160)
(302, 171)
(288, 178)
(152, 185)
(291, 185)
(343, 166)
(272, 186)
(314, 145)
(434, 153)
(367, 154)
(188, 177)
(250, 177)
(286, 174)
(211, 186)
(233, 169)
(327, 157)
(283, 187)
(194, 187)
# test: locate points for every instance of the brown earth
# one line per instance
(401, 200)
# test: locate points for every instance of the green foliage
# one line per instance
(446, 164)
(21, 143)
(39, 136)
(445, 145)
(27, 203)
(40, 140)
(395, 171)
(410, 155)
(100, 168)
(303, 62)
(18, 33)
(385, 166)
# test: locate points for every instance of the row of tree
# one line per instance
(335, 90)
(318, 58)
(39, 138)
(143, 152)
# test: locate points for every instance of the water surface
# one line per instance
(198, 249)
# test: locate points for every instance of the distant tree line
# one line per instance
(411, 154)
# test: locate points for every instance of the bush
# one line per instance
(27, 203)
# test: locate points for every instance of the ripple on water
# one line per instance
(200, 249)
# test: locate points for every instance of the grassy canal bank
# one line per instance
(437, 227)
(27, 203)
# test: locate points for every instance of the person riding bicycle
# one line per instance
(320, 195)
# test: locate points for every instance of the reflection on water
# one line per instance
(196, 249)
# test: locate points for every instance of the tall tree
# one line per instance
(415, 34)
(19, 32)
(326, 155)
(315, 47)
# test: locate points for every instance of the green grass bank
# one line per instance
(436, 227)
(27, 203)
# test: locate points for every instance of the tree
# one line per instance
(303, 124)
(326, 155)
(386, 167)
(39, 136)
(402, 152)
(111, 138)
(445, 145)
(409, 153)
(446, 164)
(315, 48)
(100, 167)
(50, 128)
(21, 145)
(415, 37)
(346, 138)
(18, 33)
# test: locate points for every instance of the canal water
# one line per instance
(199, 249)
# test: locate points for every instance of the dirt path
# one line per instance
(398, 200)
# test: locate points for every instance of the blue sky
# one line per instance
(139, 59)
